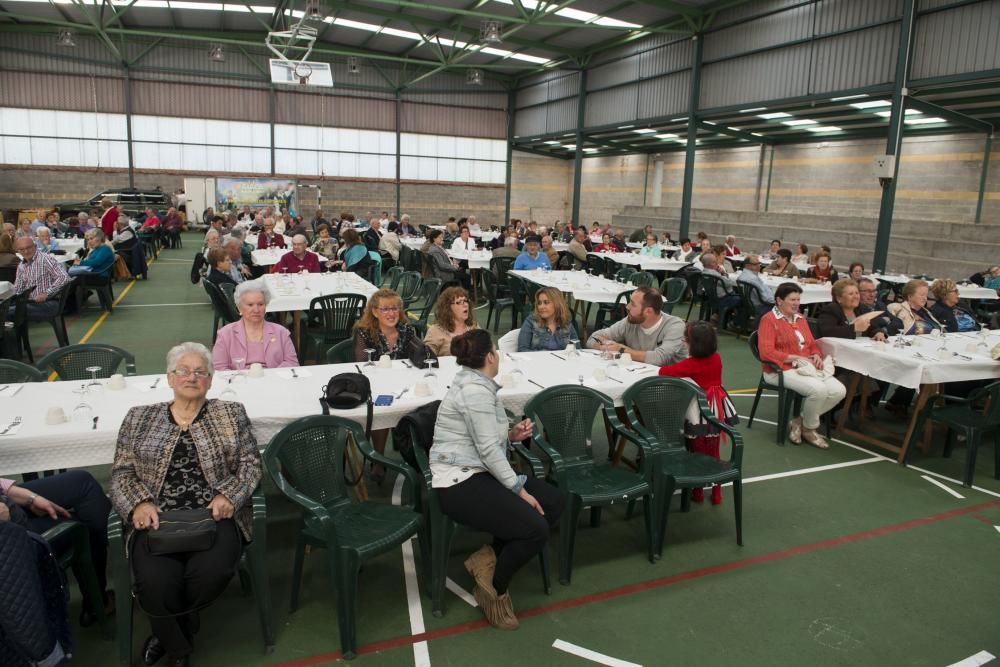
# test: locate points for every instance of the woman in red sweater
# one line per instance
(704, 367)
(109, 217)
(784, 340)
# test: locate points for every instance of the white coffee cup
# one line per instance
(55, 415)
(116, 381)
(600, 374)
(422, 388)
(385, 361)
(256, 370)
(626, 358)
(570, 348)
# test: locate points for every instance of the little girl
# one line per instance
(704, 367)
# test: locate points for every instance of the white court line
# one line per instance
(157, 305)
(954, 481)
(836, 440)
(998, 528)
(806, 471)
(942, 486)
(980, 658)
(421, 655)
(460, 592)
(593, 656)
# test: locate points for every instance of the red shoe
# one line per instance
(698, 495)
(716, 495)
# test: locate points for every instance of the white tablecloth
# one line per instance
(581, 285)
(272, 401)
(477, 259)
(6, 289)
(903, 366)
(811, 293)
(268, 256)
(414, 242)
(644, 262)
(252, 240)
(296, 291)
(965, 290)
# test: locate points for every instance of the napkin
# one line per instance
(11, 390)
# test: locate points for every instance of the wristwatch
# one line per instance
(31, 500)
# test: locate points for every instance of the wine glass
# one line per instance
(93, 385)
(429, 373)
(370, 351)
(579, 378)
(82, 411)
(239, 366)
(575, 352)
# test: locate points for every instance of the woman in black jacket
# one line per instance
(948, 311)
(846, 317)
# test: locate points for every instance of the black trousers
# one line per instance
(519, 531)
(170, 587)
(78, 492)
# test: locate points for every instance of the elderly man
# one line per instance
(645, 333)
(79, 225)
(172, 222)
(318, 220)
(44, 240)
(43, 274)
(869, 294)
(532, 257)
(731, 249)
(509, 247)
(268, 238)
(238, 271)
(406, 227)
(723, 289)
(246, 250)
(474, 227)
(549, 251)
(124, 237)
(299, 259)
(763, 298)
(782, 265)
(373, 235)
(579, 247)
(639, 235)
(619, 242)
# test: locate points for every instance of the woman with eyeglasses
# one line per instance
(189, 453)
(252, 339)
(452, 317)
(652, 247)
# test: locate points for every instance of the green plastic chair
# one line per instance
(71, 363)
(960, 416)
(498, 302)
(441, 529)
(12, 372)
(409, 287)
(609, 313)
(253, 576)
(672, 290)
(427, 298)
(646, 409)
(642, 279)
(70, 541)
(749, 317)
(223, 309)
(563, 417)
(392, 276)
(341, 353)
(624, 274)
(306, 461)
(334, 315)
(786, 397)
(519, 295)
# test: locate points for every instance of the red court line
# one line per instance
(640, 587)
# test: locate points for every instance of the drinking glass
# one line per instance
(94, 385)
(82, 412)
(239, 365)
(370, 351)
(429, 373)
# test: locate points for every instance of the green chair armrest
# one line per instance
(424, 465)
(647, 446)
(554, 457)
(60, 529)
(537, 467)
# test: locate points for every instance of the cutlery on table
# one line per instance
(962, 356)
(294, 374)
(155, 382)
(407, 363)
(94, 427)
(536, 384)
(558, 356)
(400, 394)
(4, 388)
(12, 424)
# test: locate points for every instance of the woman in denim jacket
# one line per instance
(475, 484)
(550, 327)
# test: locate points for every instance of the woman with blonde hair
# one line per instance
(550, 326)
(947, 309)
(384, 329)
(452, 317)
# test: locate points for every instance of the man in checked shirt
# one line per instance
(43, 274)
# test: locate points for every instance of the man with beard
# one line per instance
(646, 333)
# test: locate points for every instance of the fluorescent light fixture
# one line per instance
(553, 143)
(757, 134)
(755, 109)
(625, 127)
(824, 128)
(644, 130)
(589, 150)
(798, 121)
(908, 112)
(927, 120)
(874, 104)
(734, 129)
(571, 147)
(575, 14)
(708, 122)
(666, 135)
(678, 120)
(847, 97)
(773, 115)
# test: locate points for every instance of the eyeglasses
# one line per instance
(460, 301)
(187, 372)
(388, 309)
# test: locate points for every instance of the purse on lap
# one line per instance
(182, 531)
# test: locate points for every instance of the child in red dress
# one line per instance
(704, 367)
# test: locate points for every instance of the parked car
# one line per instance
(130, 201)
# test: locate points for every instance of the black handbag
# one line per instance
(420, 354)
(182, 531)
(344, 392)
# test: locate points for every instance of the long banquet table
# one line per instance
(272, 401)
(294, 292)
(916, 362)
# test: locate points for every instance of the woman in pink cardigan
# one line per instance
(252, 340)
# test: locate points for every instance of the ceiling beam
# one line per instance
(739, 134)
(954, 116)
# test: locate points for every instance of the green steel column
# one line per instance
(128, 128)
(399, 103)
(270, 117)
(770, 171)
(894, 143)
(692, 137)
(511, 102)
(982, 177)
(581, 110)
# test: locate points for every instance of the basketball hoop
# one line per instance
(303, 71)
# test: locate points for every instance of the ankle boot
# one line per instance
(493, 608)
(481, 566)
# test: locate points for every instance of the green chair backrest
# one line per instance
(71, 362)
(341, 353)
(673, 289)
(563, 416)
(642, 279)
(490, 284)
(499, 266)
(993, 413)
(306, 460)
(223, 306)
(709, 286)
(409, 284)
(337, 313)
(656, 407)
(596, 265)
(427, 297)
(14, 371)
(624, 274)
(393, 275)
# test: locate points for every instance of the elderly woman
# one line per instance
(200, 266)
(823, 271)
(652, 247)
(784, 339)
(109, 216)
(550, 326)
(189, 453)
(475, 484)
(220, 265)
(354, 253)
(847, 317)
(44, 241)
(801, 255)
(912, 311)
(948, 311)
(325, 245)
(442, 266)
(8, 258)
(251, 339)
(452, 317)
(100, 257)
(856, 271)
(605, 245)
